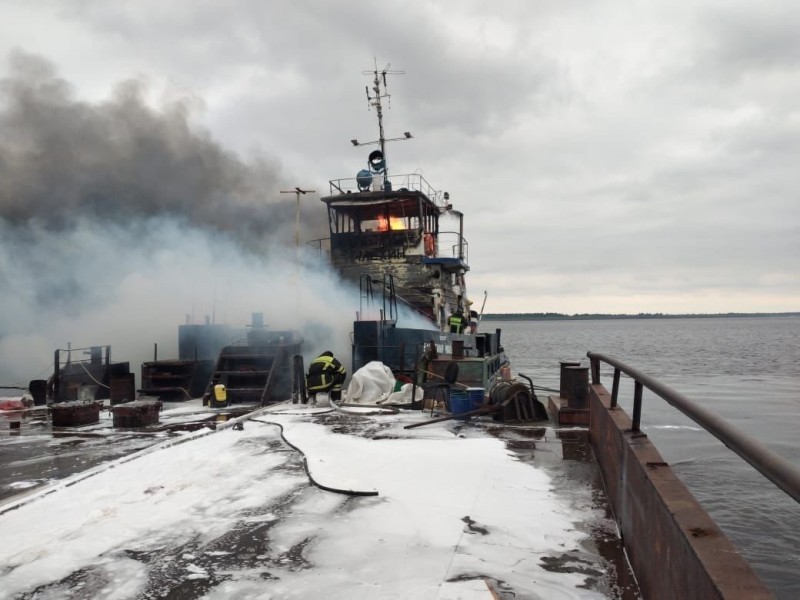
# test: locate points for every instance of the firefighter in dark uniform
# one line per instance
(456, 322)
(326, 374)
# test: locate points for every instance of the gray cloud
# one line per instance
(741, 41)
(606, 158)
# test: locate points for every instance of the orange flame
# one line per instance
(394, 223)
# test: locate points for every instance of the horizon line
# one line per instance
(641, 315)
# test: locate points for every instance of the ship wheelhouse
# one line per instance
(372, 226)
(393, 229)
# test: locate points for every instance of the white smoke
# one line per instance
(118, 219)
(131, 289)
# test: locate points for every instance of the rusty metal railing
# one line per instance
(771, 465)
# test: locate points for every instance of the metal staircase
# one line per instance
(258, 371)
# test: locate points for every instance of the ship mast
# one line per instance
(375, 101)
(374, 98)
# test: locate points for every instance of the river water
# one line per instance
(747, 370)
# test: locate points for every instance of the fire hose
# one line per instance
(308, 472)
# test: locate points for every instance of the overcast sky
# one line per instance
(609, 157)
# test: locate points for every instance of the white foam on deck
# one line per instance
(411, 541)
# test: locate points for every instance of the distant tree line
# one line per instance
(551, 316)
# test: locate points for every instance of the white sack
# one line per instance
(371, 383)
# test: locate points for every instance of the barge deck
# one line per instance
(459, 509)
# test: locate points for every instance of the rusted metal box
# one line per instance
(122, 388)
(75, 414)
(139, 413)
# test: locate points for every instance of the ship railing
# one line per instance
(771, 465)
(95, 358)
(403, 359)
(91, 355)
(451, 244)
(409, 181)
(320, 247)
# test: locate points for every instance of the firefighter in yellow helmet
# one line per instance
(326, 374)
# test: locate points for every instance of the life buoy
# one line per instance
(430, 244)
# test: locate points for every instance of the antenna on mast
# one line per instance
(374, 98)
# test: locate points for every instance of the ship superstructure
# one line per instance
(389, 228)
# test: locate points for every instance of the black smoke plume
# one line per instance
(120, 160)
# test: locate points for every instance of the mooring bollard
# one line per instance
(578, 387)
(564, 383)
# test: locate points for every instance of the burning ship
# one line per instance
(391, 509)
(387, 236)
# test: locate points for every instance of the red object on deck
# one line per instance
(12, 404)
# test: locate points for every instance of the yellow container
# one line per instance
(220, 393)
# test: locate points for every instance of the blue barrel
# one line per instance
(477, 396)
(460, 402)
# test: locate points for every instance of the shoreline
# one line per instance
(605, 317)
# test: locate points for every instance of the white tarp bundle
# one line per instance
(374, 383)
(371, 384)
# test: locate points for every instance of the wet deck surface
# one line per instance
(36, 454)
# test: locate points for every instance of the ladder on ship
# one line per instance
(388, 297)
(253, 374)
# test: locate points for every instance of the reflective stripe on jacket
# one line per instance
(456, 324)
(325, 373)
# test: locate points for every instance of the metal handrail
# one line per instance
(71, 350)
(409, 181)
(459, 247)
(771, 465)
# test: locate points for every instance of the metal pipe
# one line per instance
(56, 375)
(771, 465)
(416, 376)
(472, 413)
(460, 236)
(637, 406)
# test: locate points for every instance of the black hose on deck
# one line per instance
(381, 409)
(299, 414)
(308, 473)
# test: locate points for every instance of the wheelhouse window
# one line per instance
(343, 221)
(395, 216)
(388, 221)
